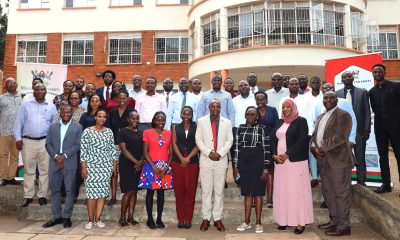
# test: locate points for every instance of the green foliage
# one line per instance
(3, 32)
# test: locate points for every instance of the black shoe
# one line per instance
(281, 228)
(13, 182)
(327, 226)
(323, 205)
(52, 222)
(160, 224)
(226, 184)
(383, 188)
(300, 230)
(112, 202)
(67, 222)
(187, 225)
(42, 201)
(181, 225)
(3, 182)
(75, 200)
(26, 202)
(151, 224)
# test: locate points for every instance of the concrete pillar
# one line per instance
(347, 27)
(224, 74)
(223, 23)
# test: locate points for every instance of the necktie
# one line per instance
(348, 96)
(214, 132)
(184, 100)
(107, 93)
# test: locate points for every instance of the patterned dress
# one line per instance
(97, 149)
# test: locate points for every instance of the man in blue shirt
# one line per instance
(227, 107)
(178, 101)
(30, 130)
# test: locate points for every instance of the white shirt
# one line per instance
(322, 125)
(175, 106)
(275, 97)
(63, 131)
(29, 97)
(198, 95)
(136, 95)
(305, 111)
(241, 104)
(147, 106)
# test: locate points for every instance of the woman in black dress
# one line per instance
(130, 140)
(268, 120)
(185, 167)
(252, 161)
(118, 120)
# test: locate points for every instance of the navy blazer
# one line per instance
(99, 91)
(71, 145)
(297, 140)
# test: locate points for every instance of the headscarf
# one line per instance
(295, 113)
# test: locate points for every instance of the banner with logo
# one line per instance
(53, 77)
(361, 67)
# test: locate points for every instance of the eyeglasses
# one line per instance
(75, 98)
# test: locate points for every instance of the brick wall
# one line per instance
(88, 72)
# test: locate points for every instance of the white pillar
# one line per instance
(347, 27)
(223, 21)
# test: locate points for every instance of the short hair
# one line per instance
(113, 93)
(131, 112)
(100, 110)
(251, 107)
(153, 121)
(65, 106)
(379, 65)
(37, 78)
(109, 71)
(187, 107)
(69, 96)
(124, 92)
(261, 92)
(152, 77)
(68, 81)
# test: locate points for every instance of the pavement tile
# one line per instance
(159, 238)
(272, 236)
(36, 227)
(108, 238)
(57, 237)
(16, 236)
(139, 230)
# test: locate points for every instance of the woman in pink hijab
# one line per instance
(292, 196)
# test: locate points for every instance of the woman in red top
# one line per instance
(156, 174)
(112, 103)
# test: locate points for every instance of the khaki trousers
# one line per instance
(34, 154)
(8, 157)
(212, 180)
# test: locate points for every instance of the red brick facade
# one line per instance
(100, 62)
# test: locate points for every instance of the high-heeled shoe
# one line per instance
(281, 228)
(151, 224)
(160, 224)
(122, 222)
(300, 230)
(132, 221)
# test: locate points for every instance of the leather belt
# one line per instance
(34, 138)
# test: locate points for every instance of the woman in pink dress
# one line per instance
(292, 191)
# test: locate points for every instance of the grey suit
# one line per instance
(362, 111)
(71, 146)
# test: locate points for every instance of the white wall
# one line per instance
(385, 12)
(102, 18)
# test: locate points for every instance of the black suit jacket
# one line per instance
(297, 140)
(361, 108)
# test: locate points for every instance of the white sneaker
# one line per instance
(243, 227)
(88, 225)
(100, 224)
(259, 228)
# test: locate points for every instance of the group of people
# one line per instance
(274, 138)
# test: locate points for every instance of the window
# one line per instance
(34, 4)
(246, 26)
(211, 32)
(80, 3)
(31, 49)
(125, 2)
(77, 49)
(124, 47)
(387, 44)
(166, 2)
(172, 47)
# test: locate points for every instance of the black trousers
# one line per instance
(387, 129)
(359, 152)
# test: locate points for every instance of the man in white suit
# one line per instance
(214, 139)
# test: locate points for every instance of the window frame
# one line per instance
(385, 49)
(212, 22)
(125, 4)
(75, 39)
(44, 4)
(129, 36)
(180, 37)
(89, 4)
(28, 41)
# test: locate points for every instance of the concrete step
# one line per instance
(233, 213)
(231, 194)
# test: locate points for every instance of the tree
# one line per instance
(3, 32)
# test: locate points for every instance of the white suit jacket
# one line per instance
(205, 142)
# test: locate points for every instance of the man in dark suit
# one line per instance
(105, 91)
(359, 99)
(385, 102)
(252, 79)
(62, 144)
(331, 146)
